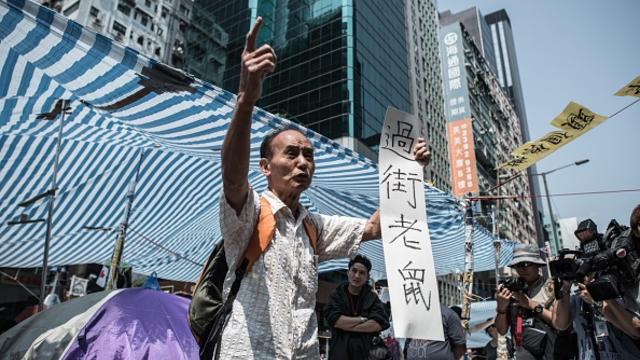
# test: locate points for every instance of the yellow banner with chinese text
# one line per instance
(631, 89)
(573, 121)
(577, 119)
(533, 151)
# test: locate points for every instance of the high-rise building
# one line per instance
(483, 129)
(493, 36)
(340, 63)
(206, 46)
(509, 78)
(155, 28)
(426, 85)
(475, 24)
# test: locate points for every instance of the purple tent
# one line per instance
(123, 324)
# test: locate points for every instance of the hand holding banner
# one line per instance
(413, 287)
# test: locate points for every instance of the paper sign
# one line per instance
(78, 286)
(631, 89)
(413, 288)
(463, 158)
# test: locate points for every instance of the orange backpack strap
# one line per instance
(262, 234)
(266, 228)
(312, 233)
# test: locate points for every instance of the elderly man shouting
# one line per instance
(273, 314)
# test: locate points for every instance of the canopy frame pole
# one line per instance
(502, 351)
(118, 247)
(51, 208)
(467, 277)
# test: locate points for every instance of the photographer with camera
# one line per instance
(607, 270)
(597, 337)
(604, 309)
(627, 319)
(523, 305)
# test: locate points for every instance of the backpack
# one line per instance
(208, 311)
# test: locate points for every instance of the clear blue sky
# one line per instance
(582, 51)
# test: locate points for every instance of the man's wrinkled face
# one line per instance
(358, 275)
(291, 166)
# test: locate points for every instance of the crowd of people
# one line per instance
(568, 323)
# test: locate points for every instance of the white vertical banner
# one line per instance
(413, 287)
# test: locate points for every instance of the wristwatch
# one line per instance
(538, 309)
(363, 319)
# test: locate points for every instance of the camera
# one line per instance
(514, 284)
(611, 259)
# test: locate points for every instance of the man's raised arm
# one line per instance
(255, 65)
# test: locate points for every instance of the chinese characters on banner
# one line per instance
(413, 288)
(631, 89)
(453, 74)
(574, 121)
(463, 158)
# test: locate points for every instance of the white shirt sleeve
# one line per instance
(237, 228)
(338, 236)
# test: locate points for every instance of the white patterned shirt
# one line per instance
(273, 315)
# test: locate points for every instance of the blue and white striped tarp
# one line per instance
(128, 114)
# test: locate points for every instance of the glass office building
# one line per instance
(340, 62)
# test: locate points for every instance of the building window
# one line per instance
(94, 12)
(71, 9)
(164, 12)
(184, 10)
(147, 3)
(140, 40)
(119, 28)
(124, 8)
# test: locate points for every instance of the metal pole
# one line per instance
(496, 243)
(502, 351)
(122, 231)
(467, 280)
(496, 229)
(552, 219)
(51, 207)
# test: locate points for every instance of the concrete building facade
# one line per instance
(426, 85)
(509, 78)
(155, 28)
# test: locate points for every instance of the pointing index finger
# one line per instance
(253, 35)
